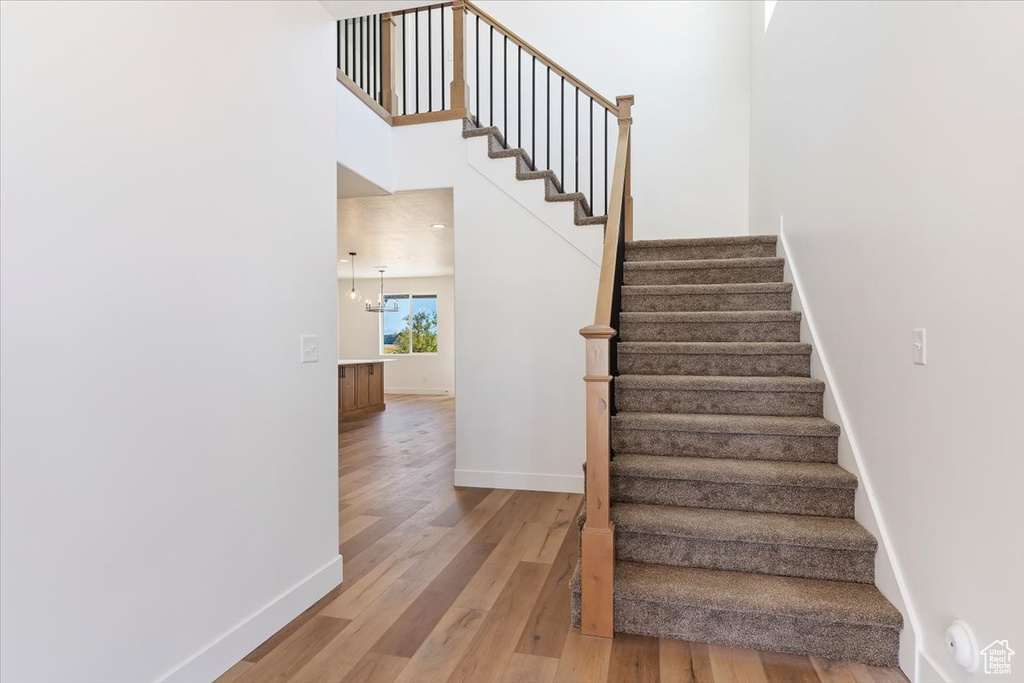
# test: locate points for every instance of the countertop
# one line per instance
(364, 361)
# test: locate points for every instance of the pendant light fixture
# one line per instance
(352, 295)
(382, 307)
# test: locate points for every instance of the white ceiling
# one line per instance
(395, 231)
(345, 9)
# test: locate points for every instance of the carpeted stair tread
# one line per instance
(702, 241)
(468, 131)
(721, 348)
(727, 424)
(816, 599)
(754, 262)
(751, 527)
(709, 316)
(730, 288)
(730, 471)
(719, 383)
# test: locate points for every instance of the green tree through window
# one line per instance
(413, 327)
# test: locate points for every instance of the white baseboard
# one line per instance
(928, 671)
(422, 391)
(524, 481)
(228, 649)
(872, 517)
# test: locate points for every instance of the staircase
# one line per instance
(715, 510)
(733, 524)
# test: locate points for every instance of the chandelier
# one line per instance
(382, 306)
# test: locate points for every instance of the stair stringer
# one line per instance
(888, 578)
(530, 194)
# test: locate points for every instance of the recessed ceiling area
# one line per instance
(397, 231)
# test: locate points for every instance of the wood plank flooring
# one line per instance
(446, 584)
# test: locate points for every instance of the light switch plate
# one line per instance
(920, 347)
(310, 348)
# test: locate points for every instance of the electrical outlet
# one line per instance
(310, 348)
(920, 347)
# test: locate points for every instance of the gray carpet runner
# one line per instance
(734, 524)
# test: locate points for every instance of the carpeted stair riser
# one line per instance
(719, 402)
(793, 500)
(811, 563)
(661, 359)
(872, 645)
(707, 540)
(744, 446)
(709, 332)
(662, 299)
(851, 631)
(682, 250)
(709, 272)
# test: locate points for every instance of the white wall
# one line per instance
(168, 470)
(523, 292)
(359, 335)
(890, 136)
(363, 140)
(688, 64)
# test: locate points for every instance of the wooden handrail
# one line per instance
(597, 542)
(606, 286)
(543, 58)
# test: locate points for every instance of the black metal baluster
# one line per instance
(416, 26)
(405, 98)
(605, 161)
(519, 99)
(561, 134)
(591, 156)
(430, 60)
(477, 70)
(444, 60)
(576, 172)
(362, 50)
(490, 75)
(373, 56)
(533, 112)
(504, 88)
(339, 45)
(547, 118)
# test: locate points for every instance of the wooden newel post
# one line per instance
(387, 61)
(459, 89)
(597, 541)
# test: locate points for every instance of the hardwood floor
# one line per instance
(471, 585)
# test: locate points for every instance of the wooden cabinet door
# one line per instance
(376, 393)
(347, 388)
(362, 385)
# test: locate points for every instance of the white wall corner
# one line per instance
(229, 648)
(559, 216)
(888, 577)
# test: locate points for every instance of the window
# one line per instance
(413, 327)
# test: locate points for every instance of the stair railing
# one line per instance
(393, 61)
(398, 64)
(597, 561)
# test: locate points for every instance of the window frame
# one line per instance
(380, 325)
